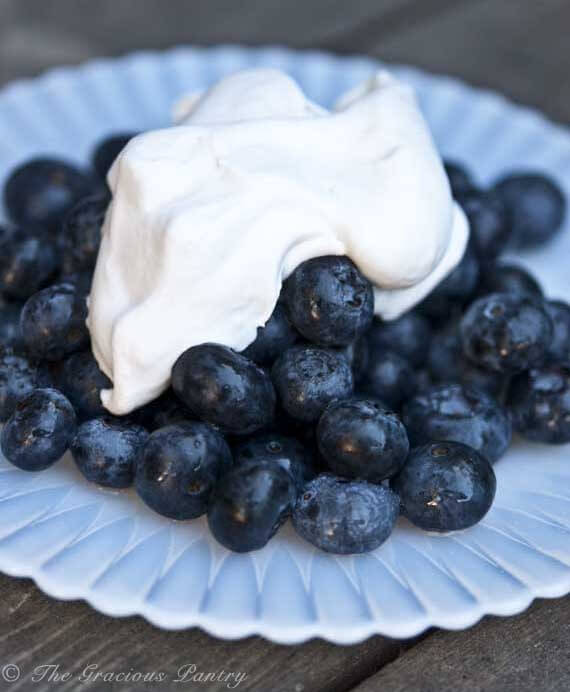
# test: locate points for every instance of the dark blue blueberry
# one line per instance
(500, 277)
(27, 262)
(18, 377)
(106, 450)
(445, 486)
(273, 339)
(39, 431)
(460, 179)
(81, 234)
(448, 364)
(539, 401)
(345, 516)
(359, 438)
(329, 301)
(53, 322)
(165, 410)
(82, 381)
(107, 151)
(389, 378)
(536, 207)
(42, 191)
(459, 413)
(308, 378)
(249, 504)
(505, 332)
(458, 287)
(489, 222)
(286, 452)
(408, 336)
(10, 335)
(224, 388)
(559, 347)
(358, 356)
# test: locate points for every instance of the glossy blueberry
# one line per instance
(460, 179)
(505, 332)
(39, 431)
(539, 401)
(53, 322)
(272, 339)
(459, 413)
(559, 347)
(359, 438)
(458, 287)
(178, 468)
(329, 301)
(224, 388)
(488, 222)
(18, 377)
(308, 378)
(82, 381)
(357, 354)
(448, 364)
(106, 449)
(536, 207)
(249, 504)
(408, 336)
(27, 262)
(81, 234)
(107, 151)
(389, 378)
(445, 486)
(345, 516)
(274, 448)
(502, 277)
(42, 191)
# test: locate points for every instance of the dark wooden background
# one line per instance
(520, 47)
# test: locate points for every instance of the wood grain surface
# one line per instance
(519, 47)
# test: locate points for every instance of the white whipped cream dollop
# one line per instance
(209, 217)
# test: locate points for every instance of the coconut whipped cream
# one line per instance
(209, 217)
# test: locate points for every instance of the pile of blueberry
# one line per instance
(331, 417)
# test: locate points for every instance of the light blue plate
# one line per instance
(79, 541)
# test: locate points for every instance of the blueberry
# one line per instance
(458, 413)
(224, 388)
(559, 313)
(501, 277)
(357, 354)
(448, 364)
(18, 377)
(539, 401)
(359, 438)
(345, 516)
(460, 179)
(506, 332)
(81, 234)
(274, 448)
(82, 381)
(106, 449)
(445, 486)
(107, 151)
(408, 336)
(308, 378)
(536, 206)
(488, 220)
(39, 431)
(178, 468)
(53, 322)
(27, 262)
(272, 339)
(10, 334)
(454, 291)
(329, 301)
(390, 378)
(249, 504)
(41, 192)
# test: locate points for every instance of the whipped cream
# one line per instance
(210, 216)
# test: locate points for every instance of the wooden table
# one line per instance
(519, 47)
